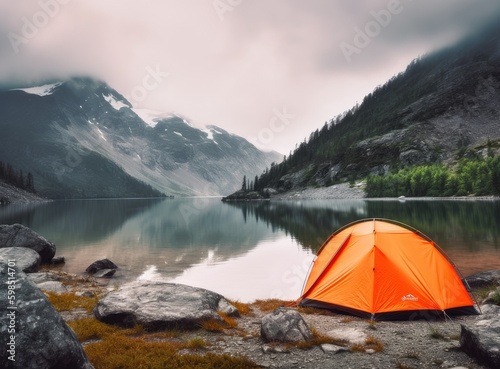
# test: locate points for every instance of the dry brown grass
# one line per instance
(213, 325)
(318, 339)
(374, 344)
(218, 326)
(270, 304)
(70, 301)
(196, 344)
(135, 348)
(121, 352)
(165, 335)
(371, 342)
(243, 308)
(312, 310)
(90, 328)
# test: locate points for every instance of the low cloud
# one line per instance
(234, 70)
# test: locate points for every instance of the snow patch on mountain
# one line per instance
(117, 105)
(44, 90)
(150, 117)
(210, 134)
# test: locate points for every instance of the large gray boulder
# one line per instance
(481, 339)
(484, 279)
(159, 305)
(27, 260)
(284, 325)
(17, 235)
(31, 331)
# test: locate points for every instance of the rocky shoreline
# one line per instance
(176, 323)
(345, 341)
(340, 191)
(13, 195)
(400, 344)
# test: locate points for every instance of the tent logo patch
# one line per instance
(409, 297)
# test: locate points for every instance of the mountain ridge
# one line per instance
(442, 106)
(81, 138)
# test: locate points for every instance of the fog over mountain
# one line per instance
(233, 65)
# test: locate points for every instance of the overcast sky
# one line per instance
(270, 71)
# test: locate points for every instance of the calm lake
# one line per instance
(245, 251)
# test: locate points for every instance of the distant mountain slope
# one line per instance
(441, 106)
(80, 139)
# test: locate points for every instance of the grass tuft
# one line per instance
(217, 325)
(495, 298)
(90, 328)
(400, 365)
(357, 347)
(483, 293)
(318, 339)
(70, 301)
(231, 322)
(196, 344)
(436, 334)
(370, 343)
(243, 309)
(412, 355)
(213, 325)
(270, 304)
(313, 310)
(372, 325)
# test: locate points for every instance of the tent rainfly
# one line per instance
(385, 270)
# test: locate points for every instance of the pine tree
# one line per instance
(30, 183)
(20, 180)
(244, 184)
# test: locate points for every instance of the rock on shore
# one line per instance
(27, 260)
(484, 279)
(482, 339)
(17, 235)
(34, 332)
(158, 304)
(284, 325)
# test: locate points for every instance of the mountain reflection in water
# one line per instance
(244, 250)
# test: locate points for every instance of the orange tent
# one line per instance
(382, 269)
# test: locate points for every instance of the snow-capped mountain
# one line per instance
(81, 138)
